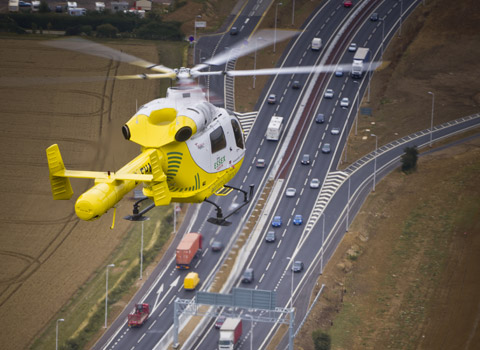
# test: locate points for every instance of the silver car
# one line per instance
(290, 192)
(315, 183)
(335, 131)
(329, 93)
(345, 102)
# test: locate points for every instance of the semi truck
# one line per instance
(230, 333)
(187, 249)
(274, 128)
(139, 316)
(360, 62)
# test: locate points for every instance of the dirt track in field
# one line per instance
(46, 253)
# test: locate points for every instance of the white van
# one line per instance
(316, 44)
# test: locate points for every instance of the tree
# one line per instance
(321, 340)
(409, 159)
(106, 31)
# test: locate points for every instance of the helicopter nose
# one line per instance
(126, 132)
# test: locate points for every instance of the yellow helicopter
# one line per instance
(190, 148)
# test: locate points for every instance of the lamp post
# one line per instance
(356, 113)
(195, 36)
(251, 330)
(348, 204)
(323, 242)
(275, 30)
(293, 13)
(291, 286)
(431, 121)
(401, 15)
(142, 218)
(375, 161)
(56, 333)
(106, 293)
(383, 32)
(255, 61)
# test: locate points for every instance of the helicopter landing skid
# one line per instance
(222, 220)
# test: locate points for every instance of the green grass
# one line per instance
(84, 314)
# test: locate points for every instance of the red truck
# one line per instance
(188, 248)
(139, 316)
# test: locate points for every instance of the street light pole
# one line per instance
(106, 293)
(431, 121)
(251, 330)
(56, 333)
(323, 243)
(383, 33)
(375, 161)
(291, 286)
(293, 13)
(275, 31)
(356, 114)
(195, 36)
(401, 15)
(348, 204)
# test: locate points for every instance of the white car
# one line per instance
(290, 192)
(352, 47)
(345, 102)
(329, 93)
(315, 183)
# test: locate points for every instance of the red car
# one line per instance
(347, 3)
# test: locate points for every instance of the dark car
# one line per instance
(217, 246)
(247, 276)
(24, 4)
(296, 84)
(234, 31)
(270, 237)
(320, 118)
(374, 17)
(305, 159)
(220, 321)
(297, 266)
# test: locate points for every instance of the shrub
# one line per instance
(409, 159)
(321, 340)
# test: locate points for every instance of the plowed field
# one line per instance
(46, 253)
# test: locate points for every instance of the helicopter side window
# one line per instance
(217, 139)
(238, 133)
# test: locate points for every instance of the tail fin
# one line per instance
(61, 187)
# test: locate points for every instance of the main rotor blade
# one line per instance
(146, 76)
(258, 41)
(296, 70)
(92, 48)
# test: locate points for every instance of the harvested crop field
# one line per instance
(46, 253)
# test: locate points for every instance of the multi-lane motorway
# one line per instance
(326, 211)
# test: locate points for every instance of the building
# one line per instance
(143, 5)
(119, 6)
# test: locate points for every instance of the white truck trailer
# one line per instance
(360, 62)
(274, 129)
(230, 334)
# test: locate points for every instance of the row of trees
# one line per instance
(101, 24)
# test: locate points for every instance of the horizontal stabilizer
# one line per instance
(61, 187)
(223, 191)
